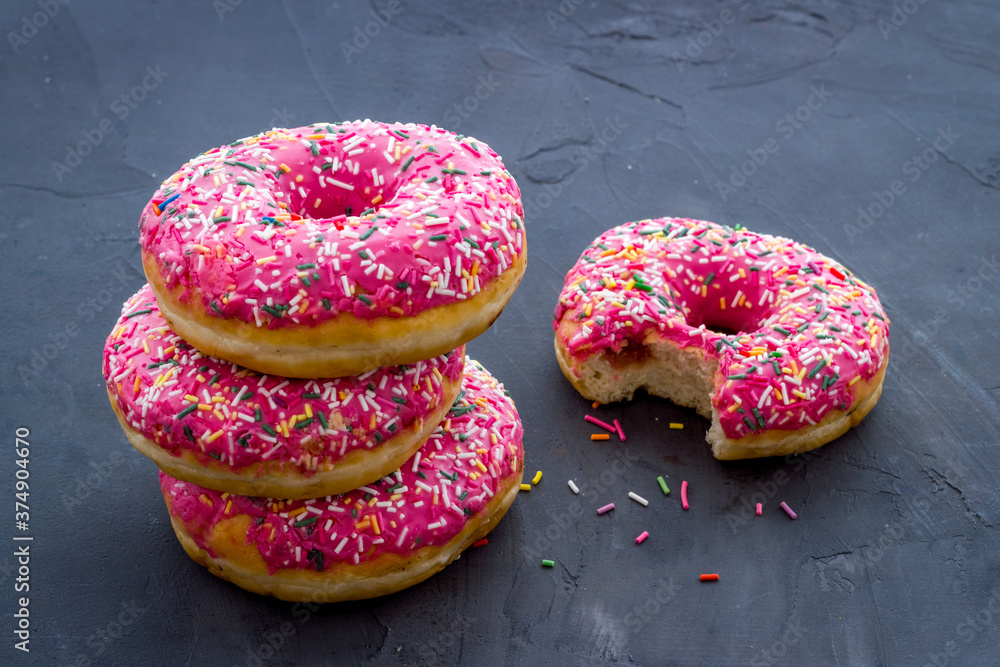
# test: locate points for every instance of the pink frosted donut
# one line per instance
(226, 427)
(781, 347)
(333, 249)
(379, 538)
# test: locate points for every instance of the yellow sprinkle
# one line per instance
(205, 499)
(285, 168)
(265, 260)
(309, 410)
(537, 478)
(213, 437)
(229, 505)
(526, 487)
(375, 202)
(855, 379)
(371, 425)
(676, 426)
(297, 512)
(800, 394)
(375, 525)
(722, 302)
(732, 408)
(362, 525)
(480, 465)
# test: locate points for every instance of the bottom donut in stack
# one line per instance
(380, 538)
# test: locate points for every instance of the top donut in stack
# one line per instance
(334, 249)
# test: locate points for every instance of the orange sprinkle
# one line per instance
(600, 436)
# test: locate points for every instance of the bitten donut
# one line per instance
(782, 348)
(333, 249)
(375, 540)
(226, 427)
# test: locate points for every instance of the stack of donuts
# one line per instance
(296, 364)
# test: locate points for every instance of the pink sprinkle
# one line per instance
(641, 537)
(598, 422)
(788, 510)
(621, 433)
(684, 494)
(760, 509)
(606, 508)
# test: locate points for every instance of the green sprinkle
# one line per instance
(663, 485)
(399, 399)
(270, 431)
(364, 237)
(402, 284)
(432, 179)
(777, 369)
(326, 304)
(257, 415)
(407, 163)
(215, 378)
(815, 370)
(305, 522)
(401, 134)
(242, 182)
(365, 299)
(708, 281)
(272, 311)
(439, 237)
(186, 411)
(139, 312)
(305, 422)
(548, 563)
(303, 267)
(240, 164)
(470, 242)
(313, 148)
(311, 394)
(322, 419)
(738, 376)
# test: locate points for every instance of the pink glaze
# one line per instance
(293, 227)
(809, 328)
(425, 503)
(156, 377)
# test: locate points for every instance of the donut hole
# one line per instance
(738, 315)
(325, 186)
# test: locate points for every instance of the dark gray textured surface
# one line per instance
(620, 111)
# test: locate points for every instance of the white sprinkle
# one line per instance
(637, 498)
(573, 487)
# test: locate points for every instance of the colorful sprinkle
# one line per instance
(642, 537)
(708, 577)
(684, 494)
(606, 508)
(621, 433)
(637, 498)
(600, 436)
(548, 563)
(537, 478)
(760, 509)
(663, 485)
(788, 510)
(597, 422)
